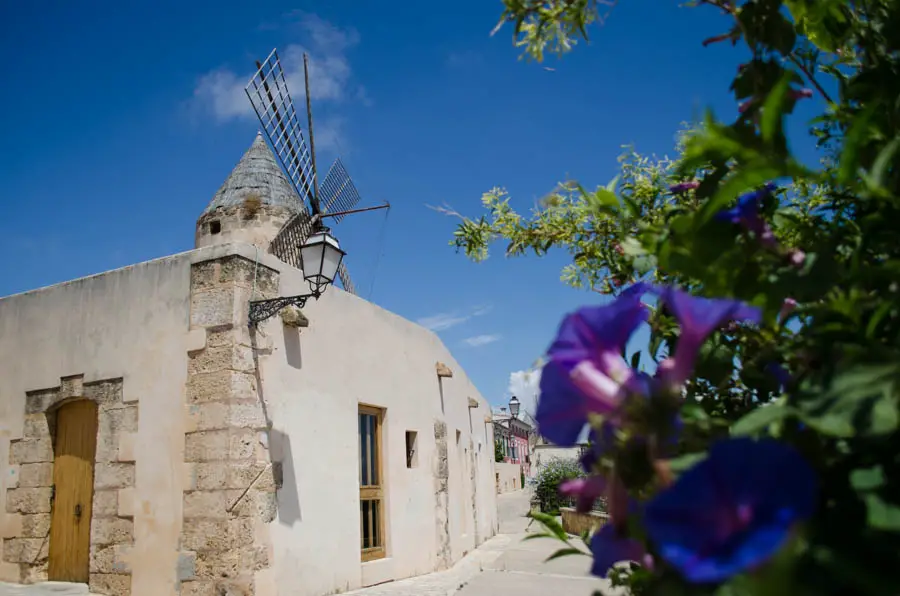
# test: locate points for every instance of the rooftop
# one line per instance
(257, 174)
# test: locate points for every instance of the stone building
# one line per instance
(515, 435)
(153, 443)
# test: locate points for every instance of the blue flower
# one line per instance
(780, 374)
(609, 546)
(733, 511)
(698, 318)
(586, 371)
(746, 214)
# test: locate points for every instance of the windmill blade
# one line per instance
(345, 279)
(337, 191)
(271, 100)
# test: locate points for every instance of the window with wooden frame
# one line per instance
(371, 484)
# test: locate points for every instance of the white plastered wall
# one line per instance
(313, 380)
(130, 323)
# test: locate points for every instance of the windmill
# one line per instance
(334, 198)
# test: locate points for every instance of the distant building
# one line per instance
(515, 436)
(543, 452)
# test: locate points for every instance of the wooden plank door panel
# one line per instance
(73, 479)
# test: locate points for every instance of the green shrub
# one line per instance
(550, 477)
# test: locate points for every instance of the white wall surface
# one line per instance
(542, 454)
(508, 478)
(314, 379)
(130, 323)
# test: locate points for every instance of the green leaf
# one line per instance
(822, 21)
(565, 552)
(550, 523)
(636, 360)
(632, 247)
(684, 462)
(882, 163)
(763, 23)
(752, 176)
(607, 198)
(856, 137)
(881, 514)
(540, 535)
(760, 419)
(860, 401)
(866, 479)
(773, 112)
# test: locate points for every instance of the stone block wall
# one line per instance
(441, 472)
(252, 222)
(577, 523)
(29, 498)
(473, 482)
(230, 479)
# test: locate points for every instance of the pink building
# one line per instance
(512, 435)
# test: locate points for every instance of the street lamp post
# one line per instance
(514, 406)
(320, 257)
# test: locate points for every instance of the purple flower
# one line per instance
(746, 214)
(609, 547)
(586, 371)
(796, 94)
(797, 257)
(787, 307)
(684, 186)
(600, 440)
(698, 317)
(780, 374)
(585, 490)
(732, 511)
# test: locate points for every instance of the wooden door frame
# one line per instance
(375, 493)
(59, 560)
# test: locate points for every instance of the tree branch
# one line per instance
(796, 62)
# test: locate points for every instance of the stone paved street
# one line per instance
(504, 565)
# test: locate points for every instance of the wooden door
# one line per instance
(73, 480)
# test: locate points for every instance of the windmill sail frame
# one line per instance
(268, 94)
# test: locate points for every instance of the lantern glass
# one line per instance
(514, 406)
(321, 256)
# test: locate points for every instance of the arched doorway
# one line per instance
(73, 491)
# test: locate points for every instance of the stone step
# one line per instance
(45, 589)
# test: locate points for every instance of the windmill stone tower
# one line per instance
(253, 203)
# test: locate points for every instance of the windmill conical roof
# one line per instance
(256, 174)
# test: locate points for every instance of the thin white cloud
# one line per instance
(446, 320)
(463, 59)
(221, 91)
(442, 321)
(482, 310)
(481, 340)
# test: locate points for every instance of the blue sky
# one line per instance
(120, 121)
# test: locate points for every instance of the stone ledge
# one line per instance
(443, 370)
(577, 523)
(45, 589)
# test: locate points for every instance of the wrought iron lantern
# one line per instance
(320, 255)
(514, 405)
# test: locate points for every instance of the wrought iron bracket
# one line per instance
(260, 310)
